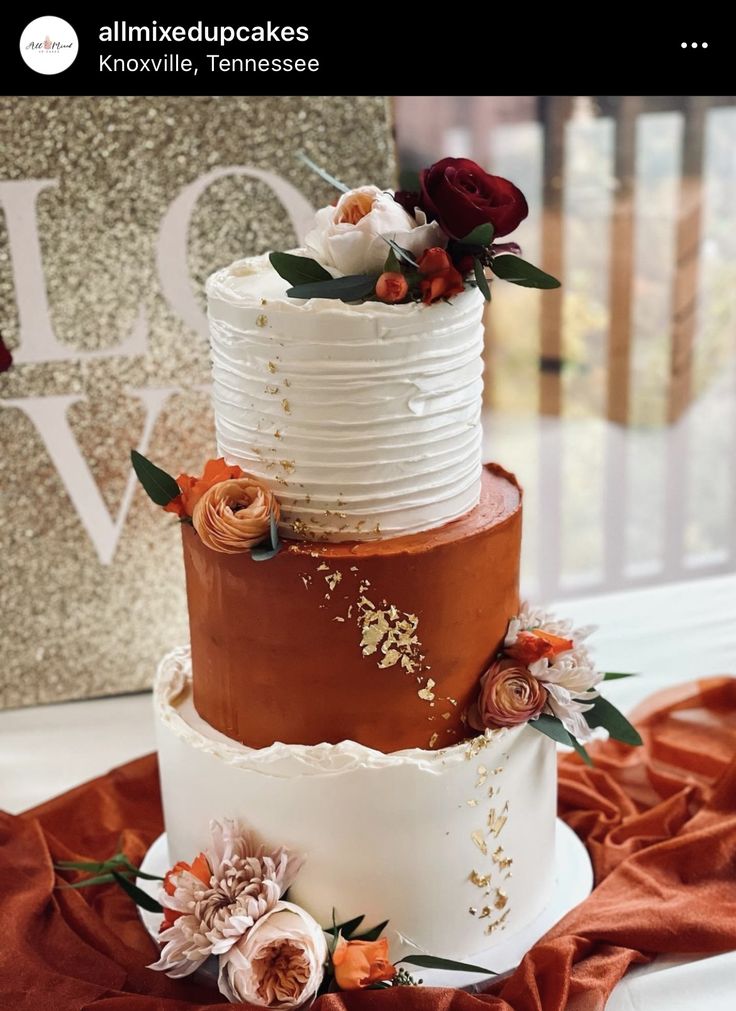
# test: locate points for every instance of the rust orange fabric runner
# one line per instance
(659, 822)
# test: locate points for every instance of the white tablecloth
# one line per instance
(667, 634)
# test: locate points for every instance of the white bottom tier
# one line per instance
(453, 847)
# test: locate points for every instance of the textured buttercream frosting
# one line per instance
(454, 847)
(364, 419)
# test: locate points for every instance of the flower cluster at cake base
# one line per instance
(544, 675)
(423, 244)
(230, 510)
(229, 907)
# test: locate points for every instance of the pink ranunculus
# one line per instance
(509, 695)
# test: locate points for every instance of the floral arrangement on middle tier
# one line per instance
(419, 245)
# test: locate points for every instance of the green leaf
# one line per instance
(346, 928)
(391, 266)
(322, 173)
(271, 546)
(160, 487)
(98, 879)
(481, 280)
(348, 289)
(517, 271)
(616, 675)
(374, 933)
(298, 269)
(403, 254)
(581, 750)
(141, 898)
(482, 235)
(553, 728)
(605, 714)
(432, 962)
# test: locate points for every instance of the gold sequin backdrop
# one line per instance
(112, 213)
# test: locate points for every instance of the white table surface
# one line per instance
(667, 634)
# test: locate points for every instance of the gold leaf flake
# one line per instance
(272, 390)
(288, 465)
(481, 880)
(433, 740)
(426, 694)
(333, 579)
(485, 912)
(500, 922)
(285, 405)
(472, 910)
(262, 320)
(390, 658)
(501, 899)
(323, 568)
(496, 822)
(287, 382)
(480, 842)
(472, 802)
(271, 366)
(353, 568)
(298, 526)
(277, 434)
(338, 619)
(482, 775)
(305, 580)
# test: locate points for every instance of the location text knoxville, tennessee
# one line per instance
(173, 63)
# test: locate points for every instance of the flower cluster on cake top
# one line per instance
(420, 245)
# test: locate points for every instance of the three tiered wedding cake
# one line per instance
(363, 690)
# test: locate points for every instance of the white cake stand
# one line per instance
(573, 883)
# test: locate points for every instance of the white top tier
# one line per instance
(364, 419)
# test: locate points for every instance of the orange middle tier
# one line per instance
(379, 642)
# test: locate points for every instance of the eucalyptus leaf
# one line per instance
(392, 265)
(482, 235)
(553, 728)
(141, 898)
(481, 280)
(373, 934)
(322, 173)
(517, 271)
(269, 547)
(403, 254)
(581, 750)
(160, 487)
(432, 962)
(298, 269)
(351, 288)
(605, 714)
(616, 675)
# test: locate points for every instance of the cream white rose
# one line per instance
(350, 236)
(279, 963)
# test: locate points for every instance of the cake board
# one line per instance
(573, 883)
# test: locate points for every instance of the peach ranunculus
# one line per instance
(509, 695)
(278, 963)
(391, 287)
(192, 488)
(233, 516)
(533, 644)
(359, 964)
(351, 236)
(439, 278)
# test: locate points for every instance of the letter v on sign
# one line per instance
(49, 417)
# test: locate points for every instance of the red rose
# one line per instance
(461, 196)
(6, 358)
(408, 199)
(439, 277)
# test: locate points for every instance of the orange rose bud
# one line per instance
(391, 287)
(359, 964)
(535, 644)
(193, 488)
(439, 278)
